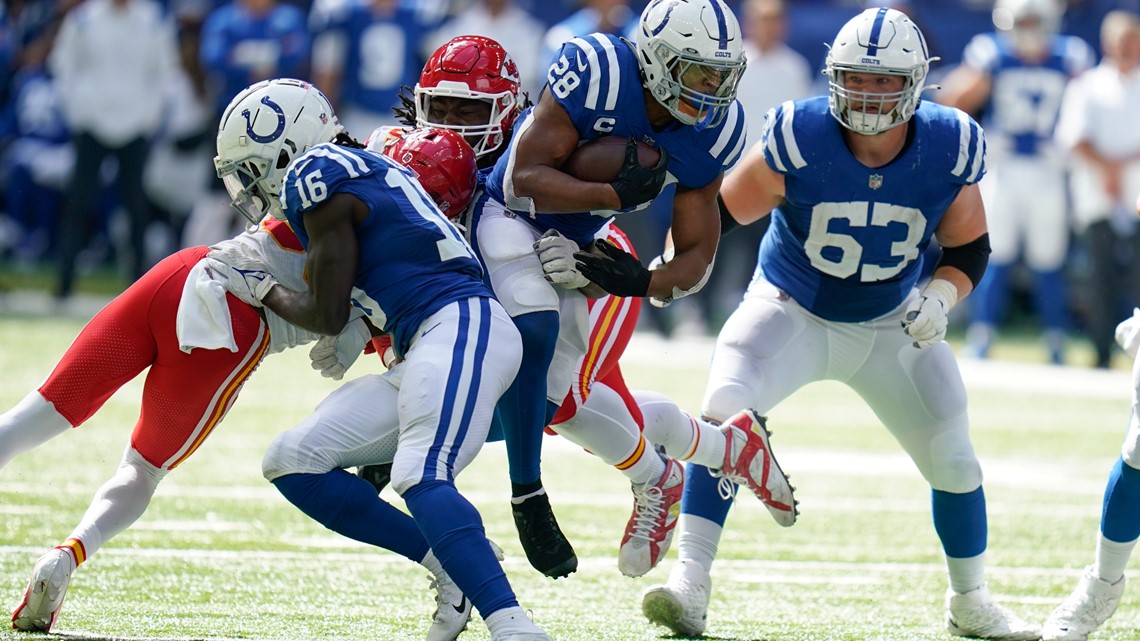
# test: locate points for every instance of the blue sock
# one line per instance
(960, 521)
(988, 300)
(455, 530)
(701, 497)
(348, 505)
(523, 407)
(1120, 517)
(1051, 301)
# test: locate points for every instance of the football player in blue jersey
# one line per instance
(857, 183)
(1017, 76)
(375, 240)
(675, 89)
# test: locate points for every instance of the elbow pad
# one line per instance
(971, 259)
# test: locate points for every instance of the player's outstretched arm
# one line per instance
(543, 146)
(333, 256)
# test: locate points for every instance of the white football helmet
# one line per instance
(1028, 24)
(692, 56)
(262, 130)
(877, 41)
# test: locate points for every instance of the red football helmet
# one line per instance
(475, 68)
(442, 161)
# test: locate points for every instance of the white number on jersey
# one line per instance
(1026, 101)
(312, 190)
(850, 251)
(562, 78)
(452, 244)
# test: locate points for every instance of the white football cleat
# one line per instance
(749, 461)
(1085, 610)
(523, 636)
(649, 531)
(452, 610)
(46, 591)
(682, 604)
(976, 615)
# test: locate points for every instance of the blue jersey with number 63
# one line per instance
(847, 242)
(413, 261)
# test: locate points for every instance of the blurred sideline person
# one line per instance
(676, 88)
(109, 62)
(1098, 125)
(374, 241)
(1101, 585)
(202, 336)
(1017, 75)
(835, 297)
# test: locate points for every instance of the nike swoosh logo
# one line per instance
(425, 334)
(581, 64)
(462, 606)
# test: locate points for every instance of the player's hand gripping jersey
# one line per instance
(405, 283)
(848, 240)
(597, 80)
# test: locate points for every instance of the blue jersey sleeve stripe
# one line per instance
(727, 131)
(611, 68)
(788, 136)
(977, 169)
(771, 154)
(964, 150)
(349, 167)
(594, 87)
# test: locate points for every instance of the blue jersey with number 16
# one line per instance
(847, 241)
(413, 262)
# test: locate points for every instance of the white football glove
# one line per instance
(333, 355)
(925, 318)
(556, 252)
(245, 278)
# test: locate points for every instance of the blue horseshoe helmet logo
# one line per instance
(276, 132)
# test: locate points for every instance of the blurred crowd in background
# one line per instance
(108, 110)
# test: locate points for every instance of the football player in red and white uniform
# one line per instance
(199, 326)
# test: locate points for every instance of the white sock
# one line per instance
(683, 437)
(699, 540)
(432, 564)
(1112, 558)
(510, 620)
(31, 423)
(604, 426)
(967, 574)
(119, 502)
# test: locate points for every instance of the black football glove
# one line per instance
(615, 271)
(636, 184)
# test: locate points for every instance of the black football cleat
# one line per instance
(546, 547)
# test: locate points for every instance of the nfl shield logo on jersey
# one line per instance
(875, 181)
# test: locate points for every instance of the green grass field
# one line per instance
(220, 555)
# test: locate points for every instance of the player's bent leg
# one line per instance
(682, 603)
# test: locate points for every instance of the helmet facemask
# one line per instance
(877, 42)
(692, 56)
(484, 138)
